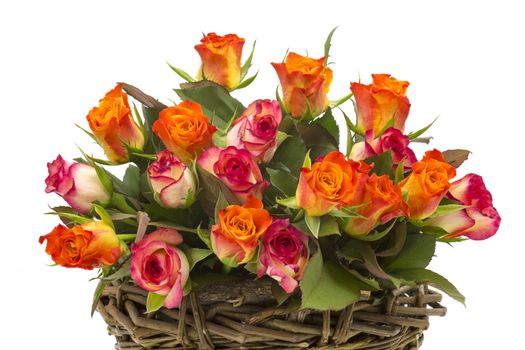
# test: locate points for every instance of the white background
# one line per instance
(464, 61)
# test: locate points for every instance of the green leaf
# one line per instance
(329, 226)
(447, 209)
(246, 66)
(221, 204)
(314, 224)
(388, 125)
(350, 125)
(290, 202)
(104, 216)
(417, 252)
(376, 235)
(284, 181)
(400, 172)
(364, 252)
(327, 45)
(423, 275)
(383, 164)
(307, 162)
(195, 255)
(96, 296)
(181, 73)
(327, 286)
(317, 139)
(204, 235)
(131, 181)
(90, 134)
(456, 157)
(394, 243)
(154, 302)
(246, 82)
(327, 121)
(210, 188)
(420, 132)
(214, 99)
(334, 104)
(292, 153)
(77, 219)
(173, 226)
(122, 272)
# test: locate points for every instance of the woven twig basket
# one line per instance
(244, 316)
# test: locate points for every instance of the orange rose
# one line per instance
(235, 237)
(427, 184)
(221, 59)
(379, 102)
(305, 83)
(184, 130)
(382, 201)
(90, 245)
(113, 126)
(331, 183)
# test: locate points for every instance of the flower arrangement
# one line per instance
(216, 191)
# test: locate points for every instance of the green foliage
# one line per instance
(154, 302)
(313, 223)
(101, 286)
(195, 255)
(327, 45)
(292, 153)
(284, 181)
(421, 275)
(210, 188)
(327, 121)
(327, 286)
(383, 164)
(416, 134)
(417, 252)
(215, 100)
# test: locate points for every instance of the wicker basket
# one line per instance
(244, 316)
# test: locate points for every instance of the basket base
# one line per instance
(244, 316)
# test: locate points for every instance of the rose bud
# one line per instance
(379, 102)
(172, 182)
(235, 237)
(87, 246)
(428, 183)
(184, 130)
(391, 140)
(77, 183)
(237, 169)
(158, 266)
(114, 127)
(256, 130)
(331, 183)
(305, 82)
(221, 59)
(284, 254)
(381, 201)
(480, 220)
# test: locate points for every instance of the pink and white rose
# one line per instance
(391, 140)
(480, 220)
(158, 266)
(77, 183)
(172, 181)
(256, 129)
(284, 254)
(237, 169)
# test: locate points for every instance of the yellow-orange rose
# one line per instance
(221, 59)
(184, 130)
(331, 183)
(379, 102)
(427, 184)
(381, 201)
(305, 82)
(235, 237)
(113, 126)
(90, 245)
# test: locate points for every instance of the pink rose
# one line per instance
(172, 182)
(284, 254)
(77, 183)
(158, 266)
(391, 140)
(480, 220)
(256, 130)
(236, 168)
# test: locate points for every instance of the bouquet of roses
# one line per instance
(218, 191)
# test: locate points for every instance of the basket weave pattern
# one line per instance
(244, 316)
